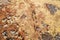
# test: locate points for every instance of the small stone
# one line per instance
(4, 33)
(57, 37)
(51, 8)
(47, 36)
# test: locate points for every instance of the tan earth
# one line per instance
(29, 19)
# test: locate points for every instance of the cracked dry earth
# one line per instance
(29, 19)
